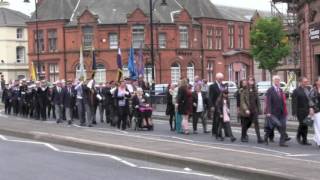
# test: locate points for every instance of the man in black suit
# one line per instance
(42, 96)
(214, 92)
(57, 99)
(69, 101)
(301, 109)
(276, 111)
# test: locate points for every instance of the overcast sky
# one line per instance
(27, 8)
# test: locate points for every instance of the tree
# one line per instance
(269, 43)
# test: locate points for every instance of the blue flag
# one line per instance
(131, 65)
(119, 63)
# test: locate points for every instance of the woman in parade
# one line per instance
(250, 109)
(170, 106)
(315, 104)
(122, 95)
(142, 109)
(223, 112)
(184, 101)
(178, 116)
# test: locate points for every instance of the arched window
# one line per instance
(175, 73)
(190, 72)
(100, 75)
(78, 73)
(21, 54)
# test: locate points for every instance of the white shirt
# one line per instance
(200, 103)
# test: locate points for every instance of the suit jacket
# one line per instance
(68, 97)
(248, 103)
(195, 100)
(182, 100)
(42, 96)
(214, 93)
(275, 104)
(57, 97)
(300, 103)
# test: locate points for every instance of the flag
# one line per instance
(94, 63)
(140, 63)
(119, 63)
(131, 65)
(81, 64)
(33, 73)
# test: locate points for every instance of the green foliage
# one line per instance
(269, 43)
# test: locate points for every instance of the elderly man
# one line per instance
(57, 99)
(276, 111)
(214, 92)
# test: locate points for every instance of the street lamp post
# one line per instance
(151, 9)
(37, 37)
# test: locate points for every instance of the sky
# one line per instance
(27, 8)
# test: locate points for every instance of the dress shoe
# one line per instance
(233, 139)
(299, 140)
(102, 121)
(260, 141)
(94, 122)
(288, 138)
(220, 138)
(283, 145)
(244, 140)
(306, 143)
(69, 122)
(90, 125)
(206, 132)
(195, 132)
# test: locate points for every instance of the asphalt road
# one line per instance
(161, 132)
(22, 159)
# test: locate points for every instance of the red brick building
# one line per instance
(191, 38)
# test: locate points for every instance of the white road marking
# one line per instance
(183, 172)
(187, 170)
(301, 155)
(212, 147)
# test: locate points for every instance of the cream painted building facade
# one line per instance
(13, 45)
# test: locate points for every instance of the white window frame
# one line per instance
(113, 41)
(20, 33)
(100, 76)
(210, 38)
(184, 37)
(78, 72)
(175, 73)
(190, 72)
(218, 33)
(162, 40)
(138, 36)
(53, 72)
(87, 37)
(52, 40)
(231, 36)
(22, 59)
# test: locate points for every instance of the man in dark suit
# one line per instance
(69, 101)
(57, 99)
(200, 104)
(276, 111)
(100, 101)
(301, 109)
(42, 96)
(214, 92)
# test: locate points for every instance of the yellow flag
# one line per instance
(33, 73)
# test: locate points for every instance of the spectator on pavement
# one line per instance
(170, 111)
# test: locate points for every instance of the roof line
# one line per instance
(74, 11)
(172, 14)
(179, 4)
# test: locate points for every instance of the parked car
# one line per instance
(161, 89)
(232, 86)
(263, 86)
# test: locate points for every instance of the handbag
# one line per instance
(308, 121)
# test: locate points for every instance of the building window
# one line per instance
(241, 37)
(218, 34)
(53, 72)
(87, 37)
(231, 36)
(210, 71)
(78, 72)
(113, 41)
(162, 40)
(148, 73)
(209, 38)
(184, 37)
(52, 40)
(19, 33)
(38, 37)
(175, 73)
(42, 69)
(137, 36)
(21, 54)
(190, 72)
(100, 76)
(125, 71)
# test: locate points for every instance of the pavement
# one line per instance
(34, 160)
(199, 152)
